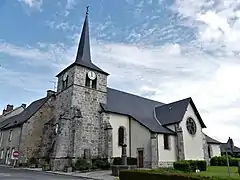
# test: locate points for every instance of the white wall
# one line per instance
(193, 145)
(140, 138)
(167, 155)
(216, 151)
(117, 120)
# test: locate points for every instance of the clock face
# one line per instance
(91, 75)
(191, 126)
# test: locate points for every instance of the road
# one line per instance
(7, 173)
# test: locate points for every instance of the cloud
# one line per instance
(33, 3)
(162, 61)
(70, 4)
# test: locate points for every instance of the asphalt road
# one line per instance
(7, 173)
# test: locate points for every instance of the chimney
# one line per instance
(24, 106)
(50, 93)
(9, 108)
(3, 112)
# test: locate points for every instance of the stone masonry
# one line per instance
(78, 114)
(180, 143)
(32, 131)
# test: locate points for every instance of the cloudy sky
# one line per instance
(161, 49)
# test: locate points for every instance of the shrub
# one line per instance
(131, 161)
(101, 164)
(182, 166)
(152, 175)
(222, 161)
(82, 164)
(117, 161)
(190, 165)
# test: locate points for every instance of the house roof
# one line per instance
(24, 115)
(211, 140)
(224, 147)
(143, 110)
(173, 112)
(9, 113)
(83, 57)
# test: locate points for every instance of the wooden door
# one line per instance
(140, 158)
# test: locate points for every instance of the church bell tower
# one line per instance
(82, 86)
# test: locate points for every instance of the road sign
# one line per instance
(15, 154)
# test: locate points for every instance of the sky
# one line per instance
(164, 50)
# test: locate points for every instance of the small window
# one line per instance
(120, 136)
(166, 141)
(94, 84)
(2, 154)
(10, 135)
(88, 81)
(1, 138)
(65, 83)
(56, 128)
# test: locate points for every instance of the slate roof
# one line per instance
(211, 140)
(24, 115)
(224, 146)
(143, 110)
(83, 57)
(173, 112)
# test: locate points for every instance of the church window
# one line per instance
(166, 141)
(209, 151)
(10, 136)
(120, 136)
(65, 83)
(91, 83)
(88, 81)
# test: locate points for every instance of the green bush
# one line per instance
(190, 165)
(101, 164)
(182, 166)
(222, 161)
(131, 161)
(82, 164)
(152, 175)
(117, 161)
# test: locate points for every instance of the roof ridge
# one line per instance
(10, 111)
(138, 96)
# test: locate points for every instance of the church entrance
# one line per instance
(140, 158)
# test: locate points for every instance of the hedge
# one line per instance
(152, 175)
(130, 161)
(190, 165)
(222, 161)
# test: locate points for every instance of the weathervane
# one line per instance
(87, 10)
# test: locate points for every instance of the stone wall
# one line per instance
(154, 147)
(205, 149)
(79, 118)
(180, 143)
(32, 130)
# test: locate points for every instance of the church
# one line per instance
(85, 116)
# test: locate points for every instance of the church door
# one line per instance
(140, 158)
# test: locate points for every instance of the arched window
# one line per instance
(120, 136)
(209, 151)
(87, 81)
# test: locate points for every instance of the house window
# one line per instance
(166, 141)
(120, 136)
(10, 136)
(2, 154)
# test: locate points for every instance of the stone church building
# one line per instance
(85, 116)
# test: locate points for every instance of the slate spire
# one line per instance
(84, 53)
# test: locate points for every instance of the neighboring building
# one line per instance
(23, 132)
(87, 118)
(230, 148)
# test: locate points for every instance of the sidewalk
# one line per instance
(95, 175)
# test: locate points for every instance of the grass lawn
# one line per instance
(221, 171)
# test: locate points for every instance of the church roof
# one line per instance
(173, 112)
(211, 140)
(145, 111)
(24, 115)
(83, 57)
